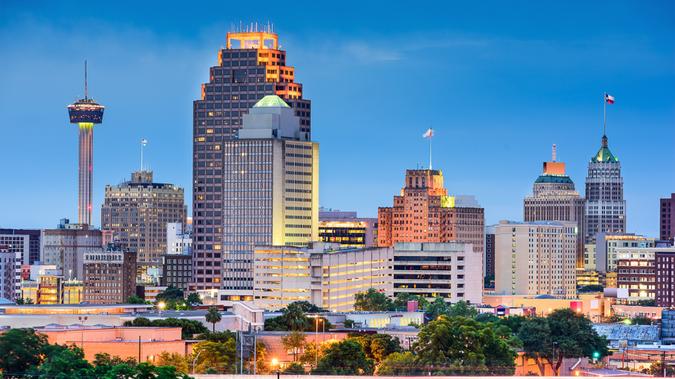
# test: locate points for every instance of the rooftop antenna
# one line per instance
(85, 80)
(143, 143)
(554, 151)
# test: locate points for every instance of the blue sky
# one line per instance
(499, 81)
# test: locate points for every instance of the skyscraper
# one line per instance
(424, 212)
(85, 113)
(555, 199)
(667, 218)
(605, 206)
(137, 212)
(270, 195)
(250, 67)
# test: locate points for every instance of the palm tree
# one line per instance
(213, 316)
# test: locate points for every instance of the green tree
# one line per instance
(219, 356)
(656, 369)
(590, 288)
(398, 364)
(171, 293)
(436, 308)
(344, 358)
(188, 327)
(294, 342)
(294, 317)
(563, 334)
(213, 316)
(294, 368)
(641, 320)
(133, 299)
(378, 346)
(65, 363)
(223, 336)
(460, 345)
(402, 298)
(20, 350)
(462, 309)
(372, 301)
(487, 317)
(194, 299)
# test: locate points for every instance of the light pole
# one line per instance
(194, 361)
(161, 305)
(275, 363)
(82, 321)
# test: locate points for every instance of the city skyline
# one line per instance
(490, 92)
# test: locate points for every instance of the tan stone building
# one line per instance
(109, 276)
(137, 213)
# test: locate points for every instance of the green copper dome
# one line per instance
(604, 155)
(271, 101)
(554, 179)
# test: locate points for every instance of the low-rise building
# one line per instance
(607, 245)
(347, 229)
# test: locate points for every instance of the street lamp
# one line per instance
(82, 320)
(275, 362)
(161, 305)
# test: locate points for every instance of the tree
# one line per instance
(656, 369)
(20, 350)
(194, 299)
(372, 301)
(294, 368)
(176, 360)
(65, 363)
(460, 345)
(590, 288)
(223, 336)
(133, 299)
(398, 364)
(294, 342)
(344, 358)
(188, 327)
(463, 309)
(213, 316)
(436, 308)
(641, 320)
(378, 346)
(487, 317)
(563, 334)
(219, 356)
(294, 317)
(171, 293)
(402, 298)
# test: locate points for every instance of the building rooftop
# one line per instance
(604, 154)
(271, 101)
(554, 179)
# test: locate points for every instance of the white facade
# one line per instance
(536, 258)
(607, 246)
(453, 271)
(19, 246)
(178, 239)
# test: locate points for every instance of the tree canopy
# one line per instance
(372, 301)
(344, 358)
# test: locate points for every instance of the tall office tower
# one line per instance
(536, 258)
(85, 113)
(137, 212)
(555, 199)
(18, 246)
(424, 212)
(666, 220)
(33, 241)
(249, 68)
(347, 229)
(66, 246)
(270, 196)
(605, 206)
(109, 275)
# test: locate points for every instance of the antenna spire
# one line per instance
(85, 80)
(554, 152)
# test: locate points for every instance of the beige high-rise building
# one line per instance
(270, 196)
(137, 212)
(66, 246)
(536, 258)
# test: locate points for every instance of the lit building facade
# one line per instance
(137, 212)
(555, 199)
(636, 273)
(664, 264)
(109, 276)
(452, 271)
(536, 258)
(324, 274)
(18, 247)
(270, 195)
(178, 238)
(423, 212)
(666, 219)
(605, 205)
(347, 229)
(33, 242)
(607, 245)
(66, 246)
(250, 67)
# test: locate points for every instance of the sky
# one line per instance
(499, 82)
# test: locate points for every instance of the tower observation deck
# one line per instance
(85, 113)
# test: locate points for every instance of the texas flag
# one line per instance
(428, 134)
(609, 98)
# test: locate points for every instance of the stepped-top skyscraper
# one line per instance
(85, 113)
(605, 205)
(555, 199)
(250, 67)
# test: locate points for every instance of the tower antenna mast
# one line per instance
(86, 91)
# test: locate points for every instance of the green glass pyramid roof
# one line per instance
(271, 101)
(604, 155)
(554, 179)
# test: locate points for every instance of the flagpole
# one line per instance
(430, 138)
(141, 155)
(604, 112)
